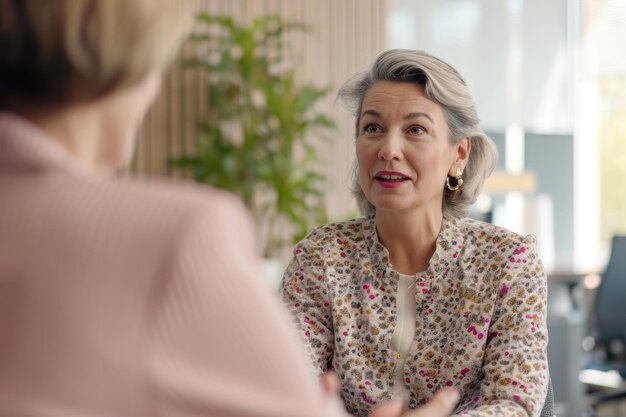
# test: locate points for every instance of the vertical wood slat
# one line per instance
(346, 36)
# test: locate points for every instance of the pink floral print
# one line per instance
(480, 316)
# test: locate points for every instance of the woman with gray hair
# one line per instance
(415, 296)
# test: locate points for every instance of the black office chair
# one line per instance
(606, 373)
(548, 405)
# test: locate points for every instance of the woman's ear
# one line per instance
(463, 149)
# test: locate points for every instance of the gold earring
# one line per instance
(456, 182)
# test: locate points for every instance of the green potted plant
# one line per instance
(256, 139)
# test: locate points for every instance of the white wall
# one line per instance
(477, 37)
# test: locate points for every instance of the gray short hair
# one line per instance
(445, 86)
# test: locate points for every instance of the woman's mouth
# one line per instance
(391, 179)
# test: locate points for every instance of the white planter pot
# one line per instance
(273, 269)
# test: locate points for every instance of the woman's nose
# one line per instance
(391, 148)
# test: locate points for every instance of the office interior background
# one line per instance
(549, 79)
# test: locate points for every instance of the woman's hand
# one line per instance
(330, 383)
(441, 405)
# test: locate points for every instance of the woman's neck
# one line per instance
(74, 128)
(410, 238)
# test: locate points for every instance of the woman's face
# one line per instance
(403, 150)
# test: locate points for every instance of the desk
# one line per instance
(573, 276)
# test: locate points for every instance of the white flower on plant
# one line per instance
(257, 98)
(236, 52)
(213, 58)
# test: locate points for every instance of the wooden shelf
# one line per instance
(502, 182)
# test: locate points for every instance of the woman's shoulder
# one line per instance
(354, 230)
(481, 233)
(170, 196)
(148, 207)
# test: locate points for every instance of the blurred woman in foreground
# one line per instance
(120, 297)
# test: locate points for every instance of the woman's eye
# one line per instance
(371, 128)
(416, 130)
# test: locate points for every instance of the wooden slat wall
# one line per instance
(347, 35)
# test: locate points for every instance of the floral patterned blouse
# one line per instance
(480, 316)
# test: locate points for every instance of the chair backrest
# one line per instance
(548, 405)
(610, 303)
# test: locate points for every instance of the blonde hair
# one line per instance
(443, 85)
(62, 51)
